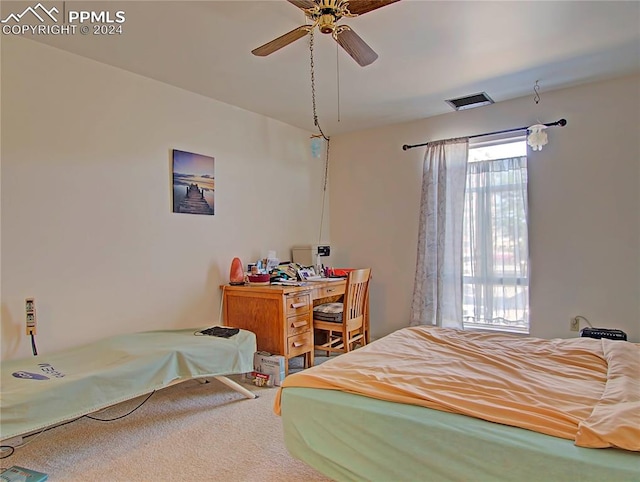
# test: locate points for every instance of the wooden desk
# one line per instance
(280, 316)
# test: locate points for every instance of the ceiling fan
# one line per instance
(325, 14)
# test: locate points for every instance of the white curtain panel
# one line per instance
(437, 292)
(496, 257)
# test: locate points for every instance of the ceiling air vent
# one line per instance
(470, 101)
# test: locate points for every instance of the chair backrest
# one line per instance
(355, 295)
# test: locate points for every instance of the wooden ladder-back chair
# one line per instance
(344, 323)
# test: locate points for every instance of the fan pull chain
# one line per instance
(338, 77)
(313, 89)
(324, 189)
(317, 124)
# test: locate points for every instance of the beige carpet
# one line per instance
(187, 432)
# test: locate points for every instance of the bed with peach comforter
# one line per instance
(506, 405)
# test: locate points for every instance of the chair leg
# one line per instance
(345, 340)
(329, 341)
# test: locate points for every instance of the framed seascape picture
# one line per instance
(193, 183)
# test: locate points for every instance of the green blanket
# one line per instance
(45, 390)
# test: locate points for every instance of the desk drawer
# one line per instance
(299, 344)
(298, 324)
(327, 291)
(298, 303)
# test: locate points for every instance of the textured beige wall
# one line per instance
(87, 222)
(584, 205)
(87, 226)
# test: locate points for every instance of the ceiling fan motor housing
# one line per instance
(332, 5)
(326, 23)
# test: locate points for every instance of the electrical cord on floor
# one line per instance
(35, 436)
(4, 448)
(121, 416)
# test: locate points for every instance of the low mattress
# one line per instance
(580, 389)
(350, 437)
(48, 389)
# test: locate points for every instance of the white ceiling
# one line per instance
(428, 51)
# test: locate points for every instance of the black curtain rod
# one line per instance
(561, 123)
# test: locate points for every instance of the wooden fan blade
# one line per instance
(356, 47)
(282, 41)
(360, 7)
(303, 4)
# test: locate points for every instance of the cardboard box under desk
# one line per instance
(272, 365)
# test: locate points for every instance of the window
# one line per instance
(495, 237)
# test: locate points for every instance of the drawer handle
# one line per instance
(298, 324)
(330, 290)
(297, 344)
(297, 305)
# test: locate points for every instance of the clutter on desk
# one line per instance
(269, 270)
(287, 272)
(264, 265)
(338, 272)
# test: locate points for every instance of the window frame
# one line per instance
(492, 141)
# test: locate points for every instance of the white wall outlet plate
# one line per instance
(574, 324)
